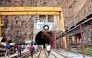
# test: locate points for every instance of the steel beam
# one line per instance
(24, 9)
(82, 40)
(62, 28)
(0, 26)
(29, 13)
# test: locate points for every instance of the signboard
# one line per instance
(44, 25)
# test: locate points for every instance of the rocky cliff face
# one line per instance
(70, 7)
(20, 27)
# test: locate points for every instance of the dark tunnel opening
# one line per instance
(41, 40)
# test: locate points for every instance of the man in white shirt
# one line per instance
(48, 49)
(36, 48)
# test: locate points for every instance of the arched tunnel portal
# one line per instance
(42, 39)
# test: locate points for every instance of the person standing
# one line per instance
(7, 49)
(57, 46)
(48, 49)
(36, 48)
(32, 49)
(19, 48)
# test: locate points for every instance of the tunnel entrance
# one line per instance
(40, 39)
(45, 37)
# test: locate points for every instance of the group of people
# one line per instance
(8, 46)
(32, 48)
(35, 48)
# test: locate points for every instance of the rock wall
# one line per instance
(18, 28)
(24, 31)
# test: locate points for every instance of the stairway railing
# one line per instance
(47, 35)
